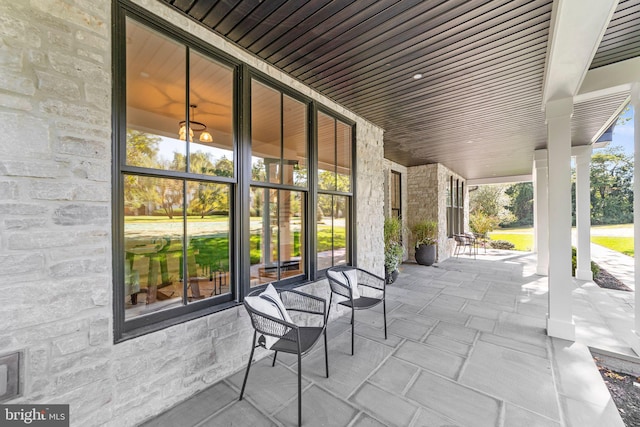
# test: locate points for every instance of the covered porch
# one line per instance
(467, 346)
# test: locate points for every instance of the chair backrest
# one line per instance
(265, 323)
(339, 281)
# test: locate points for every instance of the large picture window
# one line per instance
(177, 179)
(211, 169)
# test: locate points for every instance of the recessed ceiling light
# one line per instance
(417, 76)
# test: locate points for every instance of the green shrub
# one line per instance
(501, 244)
(595, 268)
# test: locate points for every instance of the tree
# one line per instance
(611, 187)
(492, 201)
(142, 149)
(521, 204)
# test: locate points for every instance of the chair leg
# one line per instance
(326, 353)
(352, 329)
(384, 311)
(329, 309)
(299, 389)
(274, 359)
(246, 375)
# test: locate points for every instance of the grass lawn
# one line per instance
(617, 243)
(522, 238)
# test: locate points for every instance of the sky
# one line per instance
(623, 133)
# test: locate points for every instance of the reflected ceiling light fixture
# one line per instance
(417, 76)
(194, 126)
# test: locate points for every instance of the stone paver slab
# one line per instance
(428, 418)
(472, 294)
(365, 420)
(346, 372)
(463, 405)
(450, 302)
(516, 416)
(241, 413)
(481, 324)
(394, 375)
(456, 332)
(445, 315)
(268, 386)
(389, 407)
(407, 329)
(196, 408)
(506, 374)
(430, 358)
(319, 408)
(514, 345)
(448, 345)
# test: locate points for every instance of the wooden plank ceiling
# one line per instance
(477, 107)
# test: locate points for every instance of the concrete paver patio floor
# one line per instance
(466, 347)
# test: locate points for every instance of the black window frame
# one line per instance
(130, 328)
(240, 184)
(271, 83)
(396, 211)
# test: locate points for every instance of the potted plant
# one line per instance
(425, 234)
(393, 250)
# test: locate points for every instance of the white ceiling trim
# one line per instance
(610, 121)
(575, 34)
(610, 79)
(500, 180)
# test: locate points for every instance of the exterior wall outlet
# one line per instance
(9, 376)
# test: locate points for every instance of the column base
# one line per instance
(561, 329)
(584, 275)
(633, 339)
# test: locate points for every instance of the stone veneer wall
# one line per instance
(427, 199)
(55, 224)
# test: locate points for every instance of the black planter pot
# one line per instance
(391, 277)
(426, 254)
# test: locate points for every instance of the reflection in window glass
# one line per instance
(295, 139)
(157, 113)
(277, 235)
(211, 117)
(153, 241)
(208, 246)
(291, 226)
(333, 218)
(263, 240)
(266, 152)
(343, 157)
(326, 152)
(156, 100)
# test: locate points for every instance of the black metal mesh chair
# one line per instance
(341, 284)
(291, 338)
(465, 241)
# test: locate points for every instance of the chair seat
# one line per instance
(309, 335)
(362, 302)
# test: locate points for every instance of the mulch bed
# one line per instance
(605, 280)
(625, 391)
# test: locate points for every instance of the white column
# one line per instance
(583, 212)
(635, 101)
(560, 317)
(541, 211)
